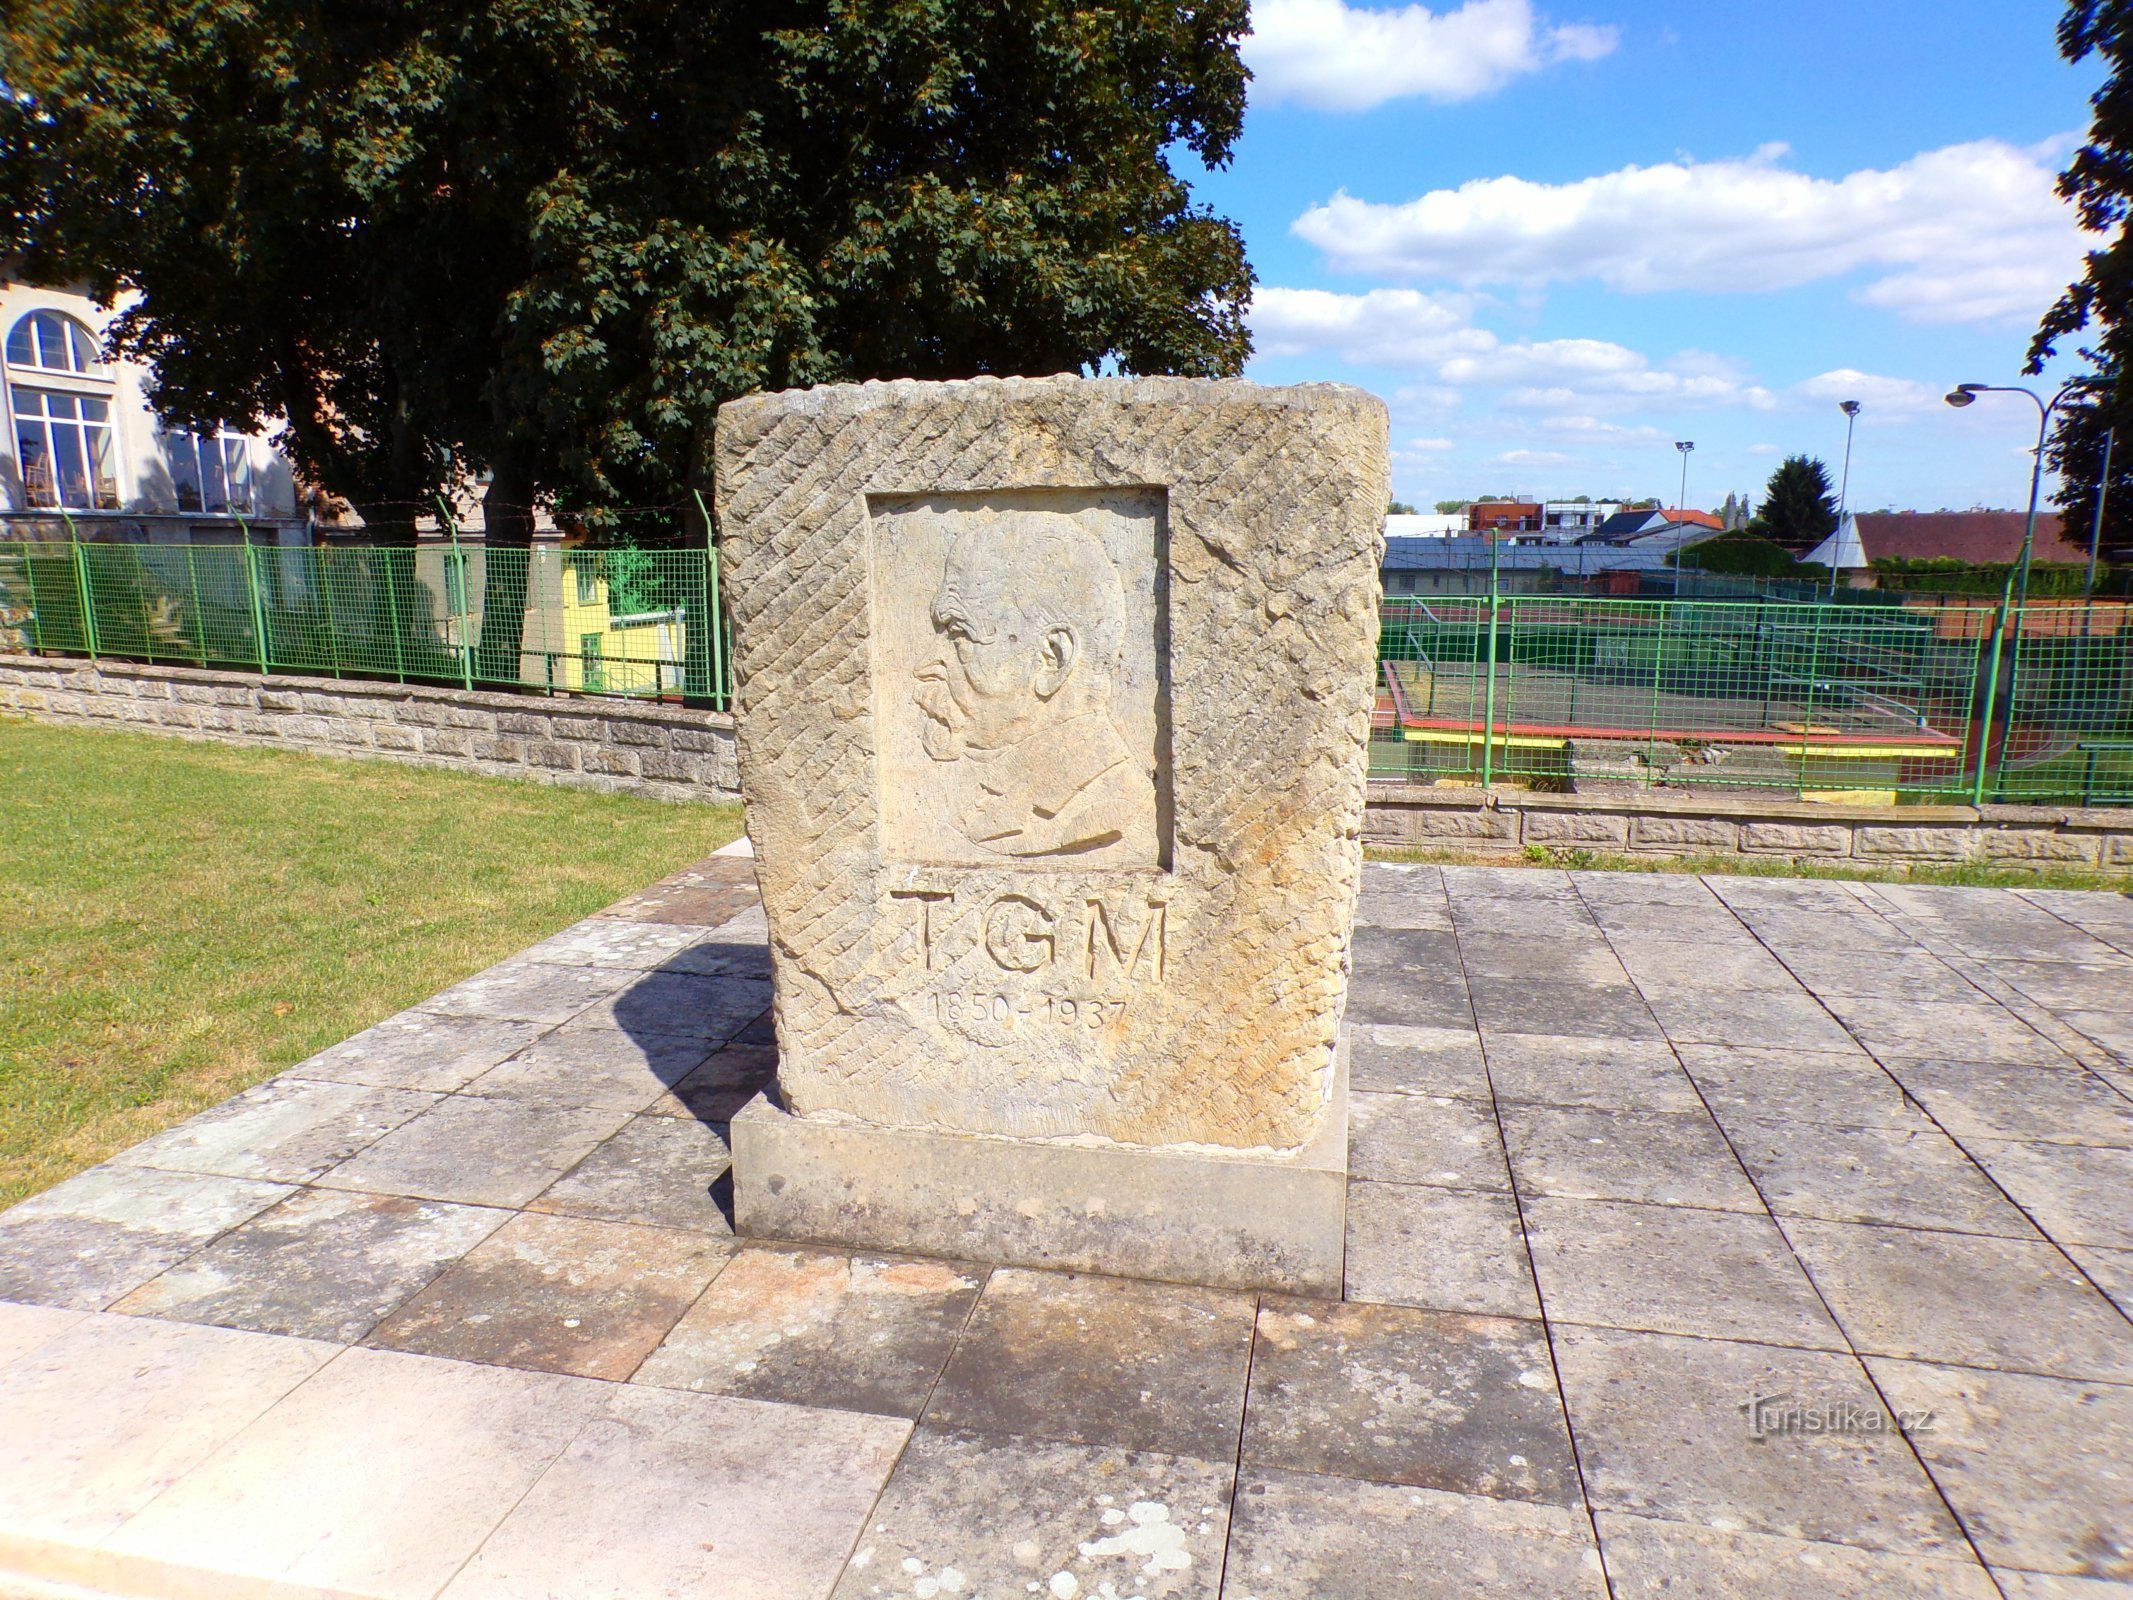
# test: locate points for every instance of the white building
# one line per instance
(1565, 521)
(1424, 525)
(83, 450)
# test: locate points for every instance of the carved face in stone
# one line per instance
(1028, 625)
(1028, 620)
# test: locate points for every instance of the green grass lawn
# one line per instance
(183, 920)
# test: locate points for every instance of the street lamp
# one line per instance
(1681, 507)
(1850, 408)
(1964, 394)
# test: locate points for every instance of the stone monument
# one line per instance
(1055, 697)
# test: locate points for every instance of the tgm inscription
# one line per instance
(1097, 939)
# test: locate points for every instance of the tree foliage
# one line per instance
(542, 240)
(1798, 511)
(2099, 308)
(1747, 555)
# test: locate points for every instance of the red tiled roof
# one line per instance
(1976, 538)
(1702, 519)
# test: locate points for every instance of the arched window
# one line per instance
(55, 342)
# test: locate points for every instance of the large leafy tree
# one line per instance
(2098, 309)
(539, 241)
(1798, 510)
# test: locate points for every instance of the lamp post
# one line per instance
(1964, 394)
(1961, 395)
(1850, 408)
(2103, 495)
(1681, 506)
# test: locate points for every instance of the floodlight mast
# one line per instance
(1851, 409)
(1964, 394)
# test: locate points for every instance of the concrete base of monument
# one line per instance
(1233, 1221)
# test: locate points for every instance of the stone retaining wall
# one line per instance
(668, 752)
(1671, 823)
(675, 753)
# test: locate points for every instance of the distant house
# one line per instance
(577, 636)
(1975, 538)
(1504, 516)
(1624, 527)
(1970, 538)
(1425, 525)
(1570, 520)
(1696, 519)
(84, 453)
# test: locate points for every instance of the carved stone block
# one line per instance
(1054, 696)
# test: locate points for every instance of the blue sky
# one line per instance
(1559, 237)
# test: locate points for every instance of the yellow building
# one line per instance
(574, 639)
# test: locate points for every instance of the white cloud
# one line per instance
(1338, 57)
(1593, 376)
(1970, 233)
(1431, 446)
(1901, 397)
(1386, 327)
(1433, 400)
(1599, 429)
(1434, 335)
(1535, 458)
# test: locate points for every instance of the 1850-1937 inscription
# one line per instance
(1013, 960)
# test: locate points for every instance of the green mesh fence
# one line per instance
(1962, 699)
(1945, 700)
(2063, 730)
(610, 622)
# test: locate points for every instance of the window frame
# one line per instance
(93, 442)
(75, 333)
(227, 451)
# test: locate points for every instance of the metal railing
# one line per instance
(1902, 700)
(611, 622)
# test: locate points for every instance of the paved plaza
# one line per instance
(1709, 1237)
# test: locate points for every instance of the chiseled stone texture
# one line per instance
(1056, 696)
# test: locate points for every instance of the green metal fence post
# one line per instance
(259, 612)
(29, 577)
(1488, 712)
(1985, 714)
(716, 618)
(192, 580)
(1807, 711)
(466, 625)
(1651, 729)
(392, 613)
(81, 583)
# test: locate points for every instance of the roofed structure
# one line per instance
(1975, 538)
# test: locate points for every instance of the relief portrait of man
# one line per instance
(1016, 696)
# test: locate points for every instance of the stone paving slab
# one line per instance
(320, 1265)
(107, 1231)
(1297, 1536)
(1647, 1173)
(664, 1171)
(1397, 1395)
(970, 1513)
(861, 1333)
(559, 1294)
